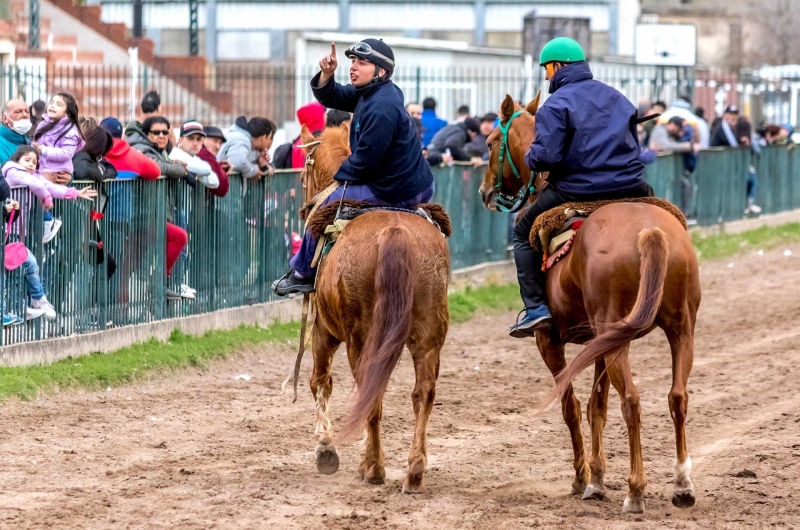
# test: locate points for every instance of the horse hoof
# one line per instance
(327, 459)
(633, 505)
(683, 499)
(593, 492)
(413, 484)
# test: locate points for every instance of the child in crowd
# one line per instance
(30, 268)
(20, 170)
(57, 138)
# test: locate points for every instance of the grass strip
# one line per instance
(142, 360)
(727, 245)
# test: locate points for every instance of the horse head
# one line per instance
(507, 175)
(324, 155)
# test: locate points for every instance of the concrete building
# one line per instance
(268, 29)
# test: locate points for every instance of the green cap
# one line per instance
(562, 50)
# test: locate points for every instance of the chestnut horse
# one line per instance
(382, 287)
(631, 268)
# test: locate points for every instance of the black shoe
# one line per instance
(289, 283)
(172, 295)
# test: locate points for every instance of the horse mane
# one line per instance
(329, 156)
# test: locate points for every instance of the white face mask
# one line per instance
(21, 126)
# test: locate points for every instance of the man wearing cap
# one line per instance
(208, 153)
(386, 165)
(724, 136)
(189, 145)
(586, 139)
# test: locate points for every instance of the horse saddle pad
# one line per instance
(554, 230)
(325, 217)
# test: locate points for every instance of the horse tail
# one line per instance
(389, 329)
(654, 251)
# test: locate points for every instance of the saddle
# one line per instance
(554, 231)
(325, 217)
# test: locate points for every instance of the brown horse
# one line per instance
(382, 287)
(632, 268)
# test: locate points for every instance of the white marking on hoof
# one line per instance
(683, 496)
(635, 505)
(593, 492)
(682, 471)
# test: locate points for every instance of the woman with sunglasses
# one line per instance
(386, 165)
(155, 144)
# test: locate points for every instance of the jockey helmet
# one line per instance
(562, 50)
(375, 51)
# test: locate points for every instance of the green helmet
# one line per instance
(562, 50)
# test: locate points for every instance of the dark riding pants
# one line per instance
(528, 260)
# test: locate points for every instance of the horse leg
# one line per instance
(371, 469)
(324, 346)
(426, 368)
(596, 412)
(619, 370)
(552, 350)
(682, 345)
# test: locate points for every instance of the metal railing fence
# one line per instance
(112, 272)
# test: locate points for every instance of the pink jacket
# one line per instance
(16, 175)
(59, 145)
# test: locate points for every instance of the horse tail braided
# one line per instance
(654, 251)
(389, 329)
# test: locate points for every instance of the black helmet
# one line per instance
(375, 51)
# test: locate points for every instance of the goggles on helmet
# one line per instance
(364, 50)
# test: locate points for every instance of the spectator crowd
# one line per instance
(47, 146)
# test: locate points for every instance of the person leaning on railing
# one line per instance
(132, 164)
(248, 145)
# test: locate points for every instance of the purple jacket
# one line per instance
(16, 175)
(58, 146)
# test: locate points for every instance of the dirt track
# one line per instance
(202, 450)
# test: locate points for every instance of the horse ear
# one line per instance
(344, 130)
(507, 108)
(306, 136)
(533, 106)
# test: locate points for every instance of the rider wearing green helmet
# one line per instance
(586, 139)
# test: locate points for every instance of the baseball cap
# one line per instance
(113, 126)
(732, 109)
(473, 125)
(214, 132)
(192, 127)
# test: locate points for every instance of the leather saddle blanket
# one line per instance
(324, 217)
(554, 231)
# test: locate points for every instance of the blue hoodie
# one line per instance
(9, 142)
(385, 151)
(585, 136)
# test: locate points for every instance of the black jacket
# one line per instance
(386, 151)
(718, 138)
(453, 137)
(88, 168)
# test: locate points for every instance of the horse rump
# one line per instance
(389, 328)
(654, 251)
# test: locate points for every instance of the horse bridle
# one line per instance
(504, 202)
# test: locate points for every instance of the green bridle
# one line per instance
(508, 203)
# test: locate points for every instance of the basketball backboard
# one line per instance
(666, 44)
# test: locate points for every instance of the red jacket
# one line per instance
(313, 117)
(224, 184)
(130, 163)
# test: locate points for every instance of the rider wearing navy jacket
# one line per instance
(386, 165)
(586, 138)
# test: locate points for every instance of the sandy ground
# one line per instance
(202, 449)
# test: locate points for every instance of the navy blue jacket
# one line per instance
(585, 136)
(386, 151)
